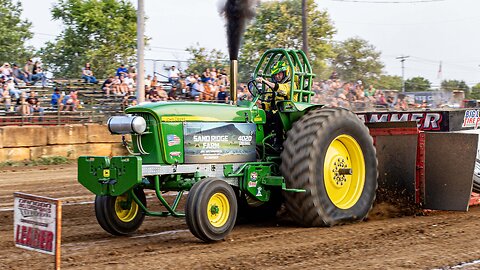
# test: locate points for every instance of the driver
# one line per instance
(281, 76)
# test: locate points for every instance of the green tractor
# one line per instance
(238, 159)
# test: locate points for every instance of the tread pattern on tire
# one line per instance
(300, 169)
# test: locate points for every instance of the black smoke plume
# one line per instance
(237, 13)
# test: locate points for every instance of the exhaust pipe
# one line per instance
(233, 80)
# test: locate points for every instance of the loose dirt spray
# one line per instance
(237, 14)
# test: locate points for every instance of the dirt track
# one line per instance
(437, 240)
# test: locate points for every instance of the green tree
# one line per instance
(475, 92)
(356, 59)
(417, 84)
(278, 24)
(14, 32)
(451, 85)
(388, 82)
(201, 58)
(102, 32)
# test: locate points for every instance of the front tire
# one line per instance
(330, 154)
(211, 209)
(120, 215)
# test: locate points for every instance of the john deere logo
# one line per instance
(106, 173)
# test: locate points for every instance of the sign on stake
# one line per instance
(38, 224)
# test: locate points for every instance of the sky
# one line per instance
(430, 32)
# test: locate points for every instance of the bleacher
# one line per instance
(95, 106)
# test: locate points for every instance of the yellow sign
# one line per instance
(106, 173)
(187, 118)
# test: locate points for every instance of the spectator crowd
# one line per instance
(212, 85)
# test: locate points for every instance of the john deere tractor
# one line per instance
(242, 159)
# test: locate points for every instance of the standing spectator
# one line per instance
(34, 103)
(37, 74)
(122, 70)
(222, 96)
(148, 83)
(87, 74)
(18, 75)
(173, 75)
(56, 98)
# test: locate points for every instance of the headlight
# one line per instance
(127, 124)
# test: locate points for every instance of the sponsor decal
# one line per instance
(222, 142)
(175, 154)
(254, 176)
(173, 139)
(425, 120)
(471, 119)
(259, 192)
(252, 184)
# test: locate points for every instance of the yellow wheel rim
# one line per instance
(125, 214)
(218, 210)
(344, 171)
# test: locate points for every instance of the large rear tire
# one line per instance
(211, 209)
(117, 216)
(330, 154)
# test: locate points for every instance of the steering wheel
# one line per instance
(263, 96)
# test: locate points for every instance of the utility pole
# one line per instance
(140, 51)
(304, 27)
(402, 60)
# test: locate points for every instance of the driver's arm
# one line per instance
(269, 84)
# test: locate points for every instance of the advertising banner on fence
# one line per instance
(35, 223)
(219, 142)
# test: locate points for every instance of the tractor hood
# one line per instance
(199, 112)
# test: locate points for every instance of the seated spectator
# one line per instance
(195, 89)
(172, 95)
(221, 95)
(5, 97)
(38, 75)
(130, 82)
(206, 75)
(19, 75)
(56, 98)
(28, 69)
(22, 105)
(6, 70)
(162, 94)
(116, 83)
(129, 101)
(132, 71)
(34, 103)
(207, 93)
(87, 74)
(14, 92)
(70, 102)
(107, 85)
(122, 70)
